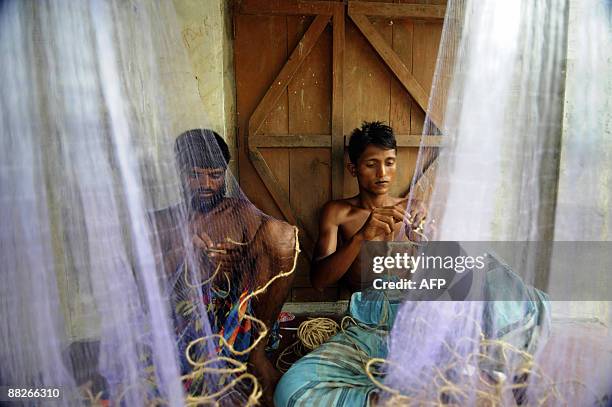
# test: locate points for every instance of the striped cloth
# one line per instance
(334, 374)
(221, 306)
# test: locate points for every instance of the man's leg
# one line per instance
(275, 245)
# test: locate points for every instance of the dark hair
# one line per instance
(201, 148)
(375, 133)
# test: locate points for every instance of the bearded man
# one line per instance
(232, 249)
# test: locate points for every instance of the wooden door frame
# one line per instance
(359, 11)
(333, 12)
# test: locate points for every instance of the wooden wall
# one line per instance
(319, 102)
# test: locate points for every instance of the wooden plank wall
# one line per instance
(371, 92)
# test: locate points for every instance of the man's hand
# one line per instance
(415, 222)
(224, 255)
(418, 213)
(382, 221)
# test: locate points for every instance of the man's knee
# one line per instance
(278, 246)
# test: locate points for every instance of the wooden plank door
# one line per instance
(307, 73)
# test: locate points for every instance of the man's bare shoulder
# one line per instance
(340, 205)
(337, 211)
(278, 228)
(277, 237)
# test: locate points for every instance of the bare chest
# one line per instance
(224, 226)
(355, 221)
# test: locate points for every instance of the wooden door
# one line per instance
(307, 74)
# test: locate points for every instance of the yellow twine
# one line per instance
(252, 400)
(204, 367)
(296, 348)
(314, 332)
(198, 285)
(311, 334)
(494, 390)
(418, 231)
(279, 275)
(230, 240)
(239, 367)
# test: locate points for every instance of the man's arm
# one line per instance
(329, 263)
(274, 250)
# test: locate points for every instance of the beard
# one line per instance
(204, 204)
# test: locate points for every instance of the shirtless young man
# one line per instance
(333, 374)
(215, 222)
(372, 214)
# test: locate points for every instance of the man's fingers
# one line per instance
(199, 242)
(387, 218)
(230, 246)
(380, 224)
(397, 214)
(415, 218)
(217, 250)
(205, 238)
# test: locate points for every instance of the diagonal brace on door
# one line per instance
(263, 109)
(394, 62)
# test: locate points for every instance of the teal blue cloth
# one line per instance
(333, 374)
(521, 319)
